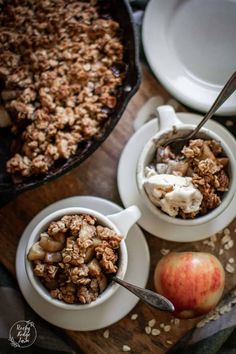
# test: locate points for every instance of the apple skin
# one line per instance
(192, 281)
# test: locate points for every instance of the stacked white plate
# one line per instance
(191, 48)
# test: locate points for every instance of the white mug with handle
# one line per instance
(120, 222)
(167, 120)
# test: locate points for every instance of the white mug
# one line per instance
(168, 120)
(120, 222)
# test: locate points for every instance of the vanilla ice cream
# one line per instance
(172, 193)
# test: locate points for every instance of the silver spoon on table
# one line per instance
(149, 297)
(229, 88)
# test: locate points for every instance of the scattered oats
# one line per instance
(213, 238)
(126, 348)
(176, 321)
(162, 325)
(214, 317)
(229, 123)
(155, 332)
(225, 239)
(211, 244)
(152, 322)
(229, 268)
(231, 260)
(106, 333)
(227, 231)
(200, 324)
(225, 308)
(164, 251)
(169, 342)
(221, 251)
(167, 328)
(134, 316)
(210, 317)
(148, 329)
(229, 245)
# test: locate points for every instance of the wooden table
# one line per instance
(97, 176)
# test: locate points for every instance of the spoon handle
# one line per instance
(226, 92)
(147, 296)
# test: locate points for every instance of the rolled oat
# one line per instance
(167, 328)
(148, 329)
(152, 322)
(106, 334)
(155, 332)
(229, 268)
(126, 348)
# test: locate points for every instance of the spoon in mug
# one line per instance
(226, 92)
(149, 297)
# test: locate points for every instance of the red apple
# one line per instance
(192, 281)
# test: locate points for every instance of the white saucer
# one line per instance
(109, 312)
(127, 185)
(191, 48)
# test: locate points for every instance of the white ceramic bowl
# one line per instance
(120, 222)
(190, 46)
(168, 119)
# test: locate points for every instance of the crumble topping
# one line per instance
(74, 258)
(201, 161)
(60, 69)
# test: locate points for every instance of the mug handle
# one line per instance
(154, 109)
(168, 117)
(125, 219)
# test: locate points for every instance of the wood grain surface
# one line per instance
(97, 176)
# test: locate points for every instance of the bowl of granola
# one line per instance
(189, 188)
(67, 71)
(73, 253)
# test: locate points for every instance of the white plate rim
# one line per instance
(162, 75)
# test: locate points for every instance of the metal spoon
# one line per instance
(226, 92)
(149, 297)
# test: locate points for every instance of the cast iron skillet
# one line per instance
(120, 10)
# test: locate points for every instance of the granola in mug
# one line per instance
(191, 183)
(74, 258)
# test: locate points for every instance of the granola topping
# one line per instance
(201, 161)
(74, 258)
(57, 67)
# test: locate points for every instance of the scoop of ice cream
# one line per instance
(172, 193)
